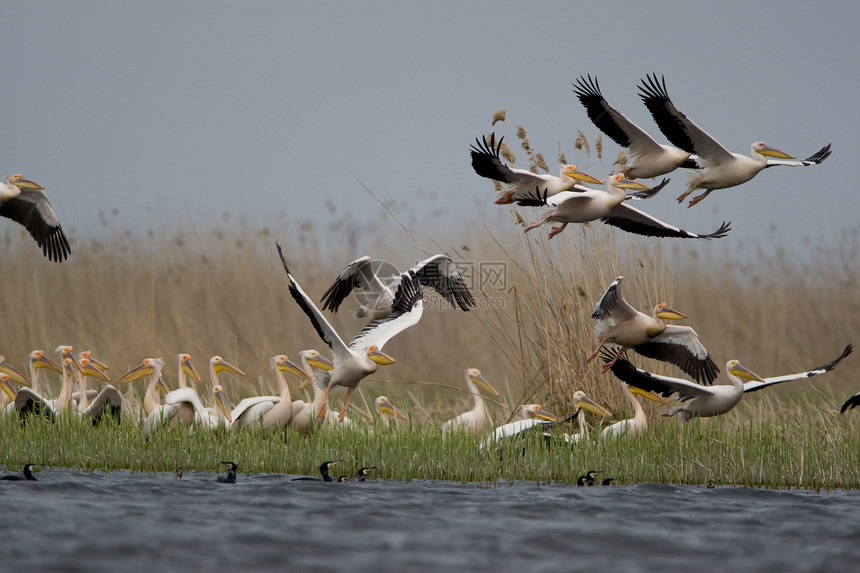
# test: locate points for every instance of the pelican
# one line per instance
(27, 470)
(475, 419)
(155, 413)
(487, 163)
(534, 417)
(622, 325)
(363, 355)
(108, 400)
(231, 473)
(305, 414)
(362, 276)
(721, 168)
(387, 410)
(27, 401)
(25, 202)
(220, 414)
(850, 403)
(610, 208)
(582, 401)
(650, 159)
(324, 472)
(8, 393)
(10, 374)
(636, 425)
(269, 411)
(704, 401)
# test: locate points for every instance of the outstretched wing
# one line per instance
(440, 273)
(813, 159)
(612, 303)
(33, 210)
(349, 279)
(680, 345)
(635, 221)
(406, 311)
(754, 385)
(664, 385)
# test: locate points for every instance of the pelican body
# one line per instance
(636, 425)
(534, 418)
(475, 420)
(25, 202)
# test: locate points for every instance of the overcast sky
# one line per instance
(258, 108)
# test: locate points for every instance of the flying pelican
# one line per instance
(269, 411)
(582, 401)
(850, 403)
(25, 202)
(220, 414)
(108, 400)
(231, 473)
(475, 419)
(487, 163)
(534, 417)
(650, 159)
(155, 413)
(387, 410)
(362, 276)
(363, 355)
(305, 414)
(324, 472)
(704, 401)
(610, 208)
(721, 168)
(27, 470)
(636, 425)
(622, 325)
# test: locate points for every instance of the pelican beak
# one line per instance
(221, 401)
(13, 374)
(769, 151)
(328, 366)
(588, 404)
(160, 385)
(47, 363)
(654, 397)
(290, 366)
(669, 314)
(22, 183)
(91, 370)
(75, 361)
(379, 357)
(481, 381)
(544, 415)
(98, 363)
(575, 173)
(190, 370)
(631, 185)
(135, 373)
(4, 385)
(387, 407)
(741, 371)
(222, 366)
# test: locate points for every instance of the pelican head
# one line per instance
(146, 368)
(474, 375)
(763, 148)
(5, 387)
(38, 359)
(537, 411)
(87, 369)
(622, 182)
(187, 366)
(384, 406)
(581, 400)
(18, 180)
(653, 396)
(375, 354)
(65, 351)
(93, 361)
(663, 311)
(13, 374)
(218, 364)
(314, 358)
(735, 368)
(160, 385)
(221, 401)
(574, 173)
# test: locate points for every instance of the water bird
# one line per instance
(610, 208)
(650, 159)
(27, 470)
(177, 472)
(475, 419)
(216, 416)
(850, 403)
(28, 402)
(622, 325)
(305, 414)
(534, 418)
(25, 202)
(155, 413)
(519, 182)
(387, 410)
(231, 473)
(589, 478)
(704, 401)
(720, 168)
(269, 412)
(10, 374)
(361, 475)
(324, 472)
(581, 401)
(636, 425)
(106, 401)
(365, 277)
(364, 354)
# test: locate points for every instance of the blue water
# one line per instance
(74, 521)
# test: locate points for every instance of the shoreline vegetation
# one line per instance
(223, 291)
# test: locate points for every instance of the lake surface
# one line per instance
(75, 521)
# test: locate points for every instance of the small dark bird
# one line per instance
(607, 481)
(590, 479)
(28, 475)
(324, 472)
(362, 474)
(231, 473)
(178, 472)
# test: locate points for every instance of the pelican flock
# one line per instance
(393, 301)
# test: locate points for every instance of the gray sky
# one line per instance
(264, 107)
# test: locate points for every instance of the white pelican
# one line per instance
(636, 425)
(270, 412)
(650, 159)
(108, 400)
(721, 168)
(534, 418)
(220, 414)
(622, 325)
(703, 401)
(475, 419)
(388, 411)
(487, 163)
(610, 208)
(365, 277)
(306, 414)
(582, 401)
(27, 401)
(155, 413)
(8, 393)
(360, 359)
(12, 375)
(25, 202)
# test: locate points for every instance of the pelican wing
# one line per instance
(406, 311)
(440, 273)
(33, 210)
(108, 401)
(813, 159)
(350, 278)
(487, 163)
(680, 130)
(754, 385)
(516, 430)
(612, 304)
(680, 345)
(610, 121)
(27, 402)
(851, 402)
(324, 329)
(664, 385)
(635, 221)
